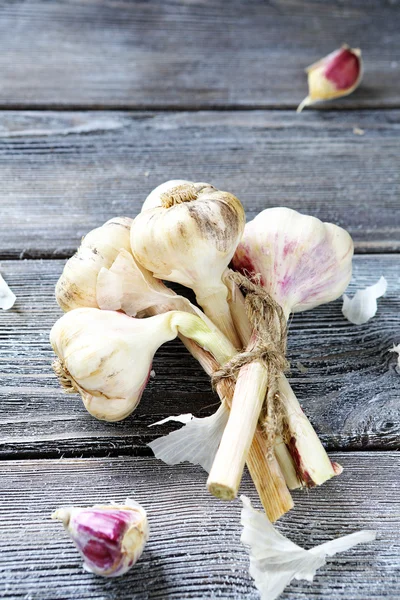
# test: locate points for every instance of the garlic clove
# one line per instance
(334, 76)
(77, 285)
(110, 538)
(302, 261)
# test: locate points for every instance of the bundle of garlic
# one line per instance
(189, 233)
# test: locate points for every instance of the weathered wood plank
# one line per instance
(194, 550)
(195, 54)
(350, 390)
(65, 173)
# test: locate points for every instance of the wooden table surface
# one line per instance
(102, 100)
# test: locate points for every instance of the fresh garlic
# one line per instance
(334, 76)
(107, 356)
(301, 262)
(110, 538)
(190, 239)
(76, 287)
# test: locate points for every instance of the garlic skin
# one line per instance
(334, 76)
(127, 286)
(77, 285)
(107, 356)
(110, 538)
(302, 261)
(190, 239)
(154, 198)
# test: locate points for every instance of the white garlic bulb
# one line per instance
(190, 239)
(77, 285)
(107, 356)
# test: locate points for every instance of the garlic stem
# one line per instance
(264, 470)
(217, 309)
(194, 328)
(310, 463)
(226, 472)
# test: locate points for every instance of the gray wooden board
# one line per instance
(194, 549)
(63, 173)
(351, 389)
(167, 53)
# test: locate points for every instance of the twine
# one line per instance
(267, 345)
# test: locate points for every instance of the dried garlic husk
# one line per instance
(110, 538)
(7, 297)
(196, 443)
(76, 287)
(190, 239)
(334, 76)
(107, 356)
(302, 263)
(363, 306)
(275, 560)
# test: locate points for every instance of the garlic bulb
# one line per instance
(334, 76)
(77, 285)
(190, 239)
(107, 356)
(110, 538)
(302, 261)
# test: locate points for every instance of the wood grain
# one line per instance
(194, 549)
(65, 173)
(166, 53)
(350, 390)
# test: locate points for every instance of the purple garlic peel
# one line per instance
(110, 538)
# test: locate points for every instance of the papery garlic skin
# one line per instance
(77, 285)
(110, 538)
(127, 286)
(191, 239)
(334, 76)
(107, 356)
(154, 198)
(302, 261)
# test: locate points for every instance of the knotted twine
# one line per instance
(267, 345)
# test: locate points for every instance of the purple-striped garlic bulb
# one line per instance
(110, 538)
(302, 261)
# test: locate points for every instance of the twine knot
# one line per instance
(267, 345)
